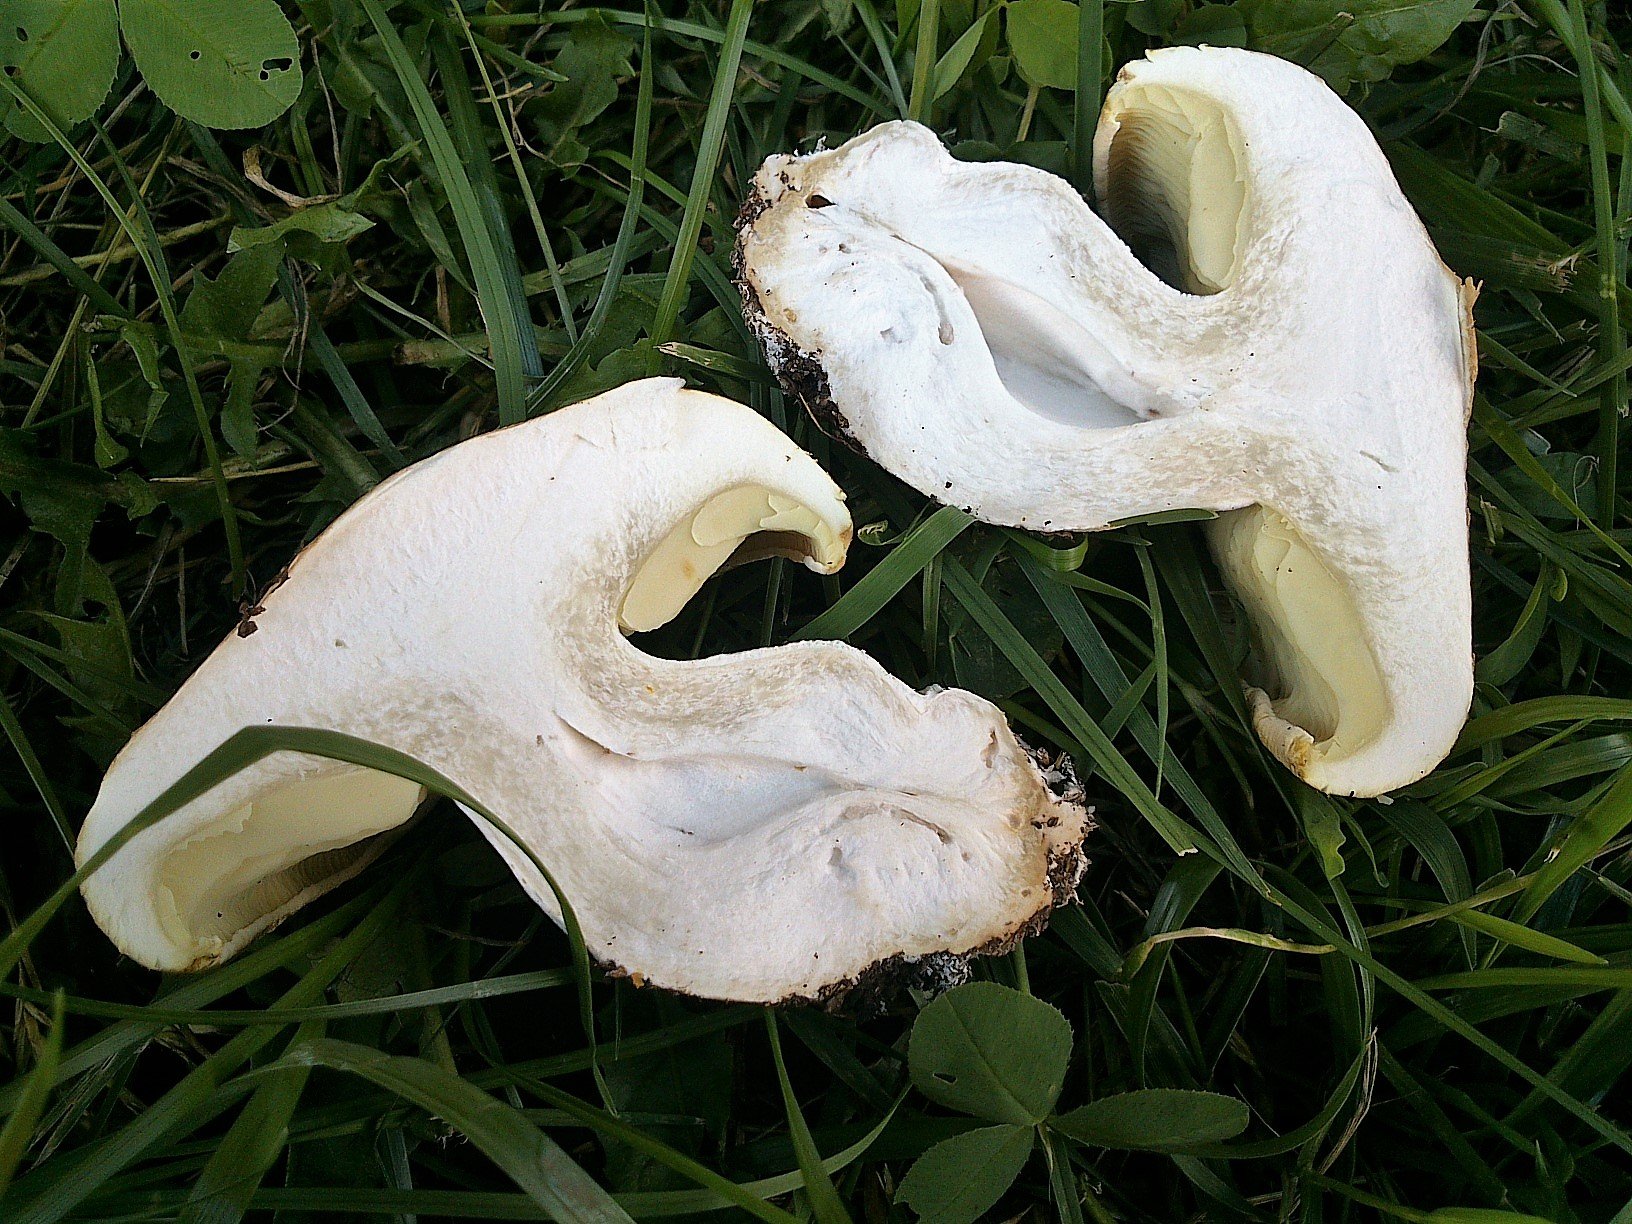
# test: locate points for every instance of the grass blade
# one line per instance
(533, 1160)
(498, 287)
(1587, 837)
(889, 577)
(824, 1199)
(1019, 652)
(253, 1142)
(709, 144)
(16, 1135)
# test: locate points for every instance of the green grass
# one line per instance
(1426, 1004)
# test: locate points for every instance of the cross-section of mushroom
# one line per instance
(757, 826)
(1290, 351)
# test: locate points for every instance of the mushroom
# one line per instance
(762, 826)
(1291, 353)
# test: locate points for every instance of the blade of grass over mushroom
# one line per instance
(498, 288)
(677, 282)
(921, 545)
(533, 1160)
(243, 749)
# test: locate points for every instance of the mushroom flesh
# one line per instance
(1262, 328)
(762, 826)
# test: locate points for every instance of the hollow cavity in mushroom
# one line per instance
(1318, 688)
(1177, 193)
(738, 525)
(245, 869)
(1177, 190)
(1046, 360)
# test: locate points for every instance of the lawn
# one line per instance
(230, 305)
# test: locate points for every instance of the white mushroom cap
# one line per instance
(756, 826)
(981, 333)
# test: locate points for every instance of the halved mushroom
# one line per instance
(1293, 352)
(760, 826)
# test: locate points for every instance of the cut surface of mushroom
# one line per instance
(1261, 328)
(770, 825)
